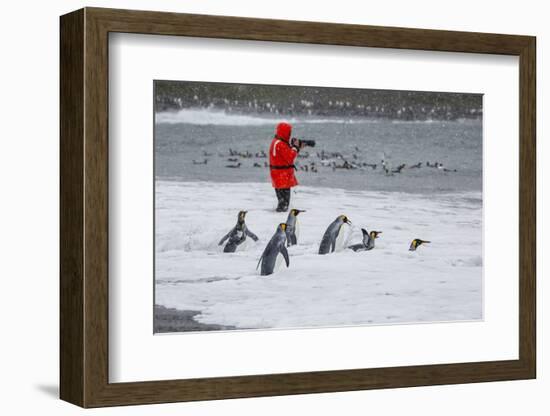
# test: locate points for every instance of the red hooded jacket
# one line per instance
(281, 158)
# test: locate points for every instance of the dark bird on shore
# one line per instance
(257, 165)
(449, 170)
(206, 154)
(345, 165)
(435, 165)
(399, 168)
(232, 159)
(261, 154)
(204, 162)
(417, 242)
(238, 165)
(417, 166)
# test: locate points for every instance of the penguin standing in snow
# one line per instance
(274, 249)
(416, 243)
(237, 235)
(333, 233)
(368, 241)
(292, 228)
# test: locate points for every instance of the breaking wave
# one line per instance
(209, 117)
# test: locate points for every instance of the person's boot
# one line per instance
(284, 200)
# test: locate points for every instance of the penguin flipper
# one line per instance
(284, 252)
(333, 246)
(251, 235)
(225, 237)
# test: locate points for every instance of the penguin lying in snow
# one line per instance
(332, 234)
(292, 229)
(416, 243)
(273, 250)
(237, 235)
(368, 241)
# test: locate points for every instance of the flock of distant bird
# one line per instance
(333, 160)
(286, 236)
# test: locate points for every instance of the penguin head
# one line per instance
(241, 216)
(416, 243)
(374, 234)
(295, 211)
(345, 219)
(282, 226)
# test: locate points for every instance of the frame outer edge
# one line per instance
(528, 208)
(96, 209)
(84, 232)
(71, 290)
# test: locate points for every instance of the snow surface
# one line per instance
(441, 281)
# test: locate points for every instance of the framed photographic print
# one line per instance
(255, 207)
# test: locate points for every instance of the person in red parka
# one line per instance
(282, 153)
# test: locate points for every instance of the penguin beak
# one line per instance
(426, 242)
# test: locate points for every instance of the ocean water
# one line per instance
(198, 135)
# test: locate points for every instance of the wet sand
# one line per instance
(175, 320)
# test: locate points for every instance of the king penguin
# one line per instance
(292, 227)
(273, 250)
(368, 241)
(237, 235)
(416, 243)
(334, 232)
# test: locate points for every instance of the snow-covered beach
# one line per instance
(441, 281)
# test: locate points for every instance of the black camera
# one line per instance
(303, 142)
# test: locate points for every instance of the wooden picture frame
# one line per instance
(84, 207)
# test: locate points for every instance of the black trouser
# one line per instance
(283, 196)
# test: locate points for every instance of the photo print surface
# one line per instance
(280, 207)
